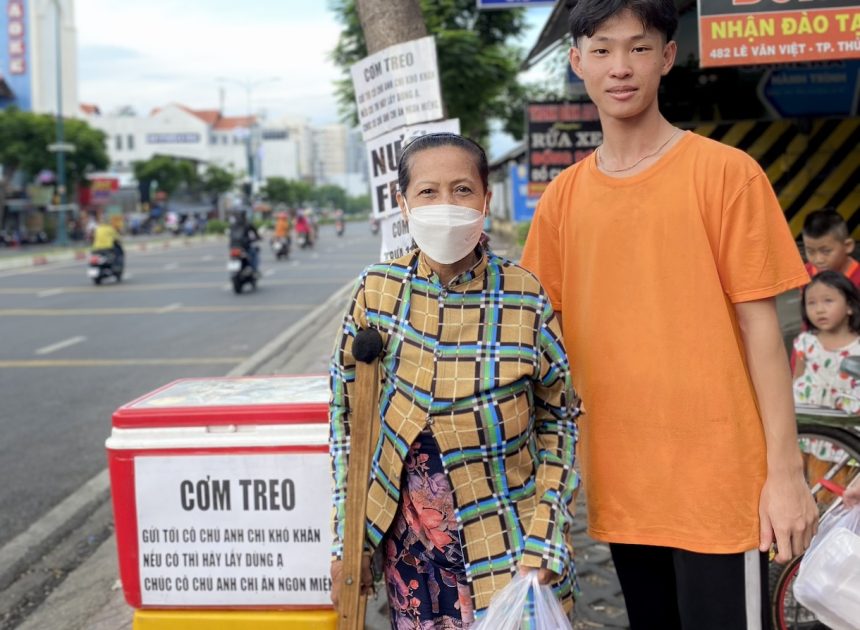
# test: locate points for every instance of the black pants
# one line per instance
(673, 589)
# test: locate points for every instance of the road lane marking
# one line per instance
(207, 258)
(71, 341)
(149, 310)
(268, 273)
(171, 266)
(49, 292)
(162, 286)
(170, 307)
(49, 363)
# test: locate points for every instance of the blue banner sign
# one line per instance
(14, 57)
(510, 4)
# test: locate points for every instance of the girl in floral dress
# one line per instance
(831, 312)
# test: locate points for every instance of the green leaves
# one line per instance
(478, 62)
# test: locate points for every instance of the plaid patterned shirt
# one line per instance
(480, 362)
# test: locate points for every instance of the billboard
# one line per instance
(559, 134)
(751, 32)
(14, 58)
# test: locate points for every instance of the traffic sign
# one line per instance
(65, 147)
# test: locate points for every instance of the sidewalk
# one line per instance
(90, 598)
(37, 255)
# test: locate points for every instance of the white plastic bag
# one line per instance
(828, 582)
(524, 603)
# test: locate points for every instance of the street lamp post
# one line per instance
(249, 86)
(62, 236)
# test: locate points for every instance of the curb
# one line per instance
(301, 330)
(38, 260)
(71, 512)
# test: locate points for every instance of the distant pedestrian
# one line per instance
(828, 245)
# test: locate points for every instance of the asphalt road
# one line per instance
(72, 352)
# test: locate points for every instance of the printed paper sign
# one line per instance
(397, 86)
(396, 240)
(750, 32)
(382, 156)
(234, 530)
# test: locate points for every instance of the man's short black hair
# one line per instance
(820, 223)
(586, 16)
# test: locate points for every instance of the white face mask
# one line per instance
(446, 233)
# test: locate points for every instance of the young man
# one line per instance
(663, 252)
(828, 245)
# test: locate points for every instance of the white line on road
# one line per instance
(60, 345)
(268, 273)
(207, 258)
(49, 292)
(171, 266)
(170, 307)
(127, 276)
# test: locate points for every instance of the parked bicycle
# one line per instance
(830, 442)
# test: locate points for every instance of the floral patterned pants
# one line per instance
(424, 573)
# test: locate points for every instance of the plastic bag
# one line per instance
(524, 603)
(828, 582)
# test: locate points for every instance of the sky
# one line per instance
(149, 53)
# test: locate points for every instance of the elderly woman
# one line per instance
(472, 478)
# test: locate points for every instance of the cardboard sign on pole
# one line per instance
(397, 86)
(382, 156)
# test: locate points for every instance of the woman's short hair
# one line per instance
(587, 16)
(441, 139)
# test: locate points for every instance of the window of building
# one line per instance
(130, 142)
(213, 139)
(225, 139)
(119, 143)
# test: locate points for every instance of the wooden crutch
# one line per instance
(363, 434)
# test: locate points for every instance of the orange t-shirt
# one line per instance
(645, 270)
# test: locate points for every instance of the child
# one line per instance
(828, 245)
(831, 312)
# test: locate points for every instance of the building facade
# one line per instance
(29, 59)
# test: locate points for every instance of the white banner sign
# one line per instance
(382, 156)
(397, 86)
(234, 530)
(395, 237)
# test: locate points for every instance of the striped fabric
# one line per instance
(480, 362)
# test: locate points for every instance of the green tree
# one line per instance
(357, 205)
(329, 196)
(169, 173)
(291, 192)
(24, 140)
(217, 180)
(478, 64)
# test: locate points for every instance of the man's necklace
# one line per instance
(602, 162)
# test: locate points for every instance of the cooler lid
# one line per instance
(228, 400)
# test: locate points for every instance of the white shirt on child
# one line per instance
(822, 382)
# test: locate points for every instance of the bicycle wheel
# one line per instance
(828, 453)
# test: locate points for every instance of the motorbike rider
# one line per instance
(303, 227)
(106, 239)
(282, 226)
(243, 234)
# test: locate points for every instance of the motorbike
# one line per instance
(374, 226)
(241, 270)
(305, 240)
(281, 248)
(339, 226)
(104, 263)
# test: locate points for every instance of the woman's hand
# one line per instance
(851, 498)
(545, 576)
(337, 578)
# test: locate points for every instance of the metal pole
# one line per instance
(62, 236)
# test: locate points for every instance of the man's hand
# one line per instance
(788, 514)
(337, 578)
(545, 576)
